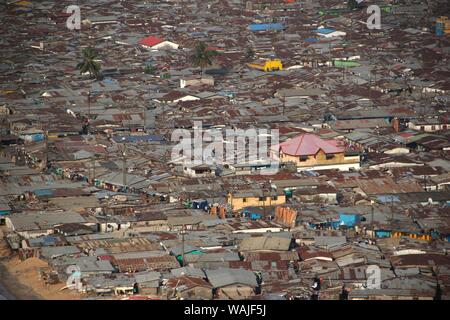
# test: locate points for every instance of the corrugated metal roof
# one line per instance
(265, 243)
(225, 277)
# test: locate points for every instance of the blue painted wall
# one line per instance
(349, 219)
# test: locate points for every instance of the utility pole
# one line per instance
(329, 50)
(144, 109)
(91, 175)
(46, 150)
(373, 230)
(264, 202)
(93, 170)
(162, 115)
(124, 168)
(182, 244)
(129, 121)
(392, 207)
(89, 104)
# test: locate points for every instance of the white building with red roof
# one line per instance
(155, 43)
(310, 152)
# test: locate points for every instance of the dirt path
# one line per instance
(11, 289)
(5, 250)
(21, 279)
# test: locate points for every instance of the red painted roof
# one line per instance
(309, 144)
(150, 41)
(406, 134)
(213, 48)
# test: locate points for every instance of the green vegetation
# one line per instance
(352, 4)
(89, 64)
(150, 70)
(249, 54)
(203, 57)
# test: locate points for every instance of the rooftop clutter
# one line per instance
(87, 177)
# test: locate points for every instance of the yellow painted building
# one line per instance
(310, 152)
(255, 198)
(267, 65)
(398, 234)
(443, 25)
(320, 159)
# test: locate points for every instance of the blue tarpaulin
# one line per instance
(382, 233)
(328, 224)
(38, 137)
(253, 215)
(324, 30)
(349, 219)
(199, 204)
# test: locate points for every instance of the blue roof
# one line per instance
(324, 30)
(146, 138)
(43, 192)
(265, 26)
(103, 193)
(198, 34)
(310, 39)
(227, 93)
(199, 200)
(388, 199)
(109, 81)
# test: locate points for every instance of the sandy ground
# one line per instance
(4, 248)
(21, 279)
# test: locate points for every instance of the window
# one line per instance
(244, 199)
(303, 158)
(329, 156)
(433, 128)
(422, 128)
(262, 198)
(275, 198)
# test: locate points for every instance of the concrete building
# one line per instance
(310, 152)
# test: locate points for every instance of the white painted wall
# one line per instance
(341, 167)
